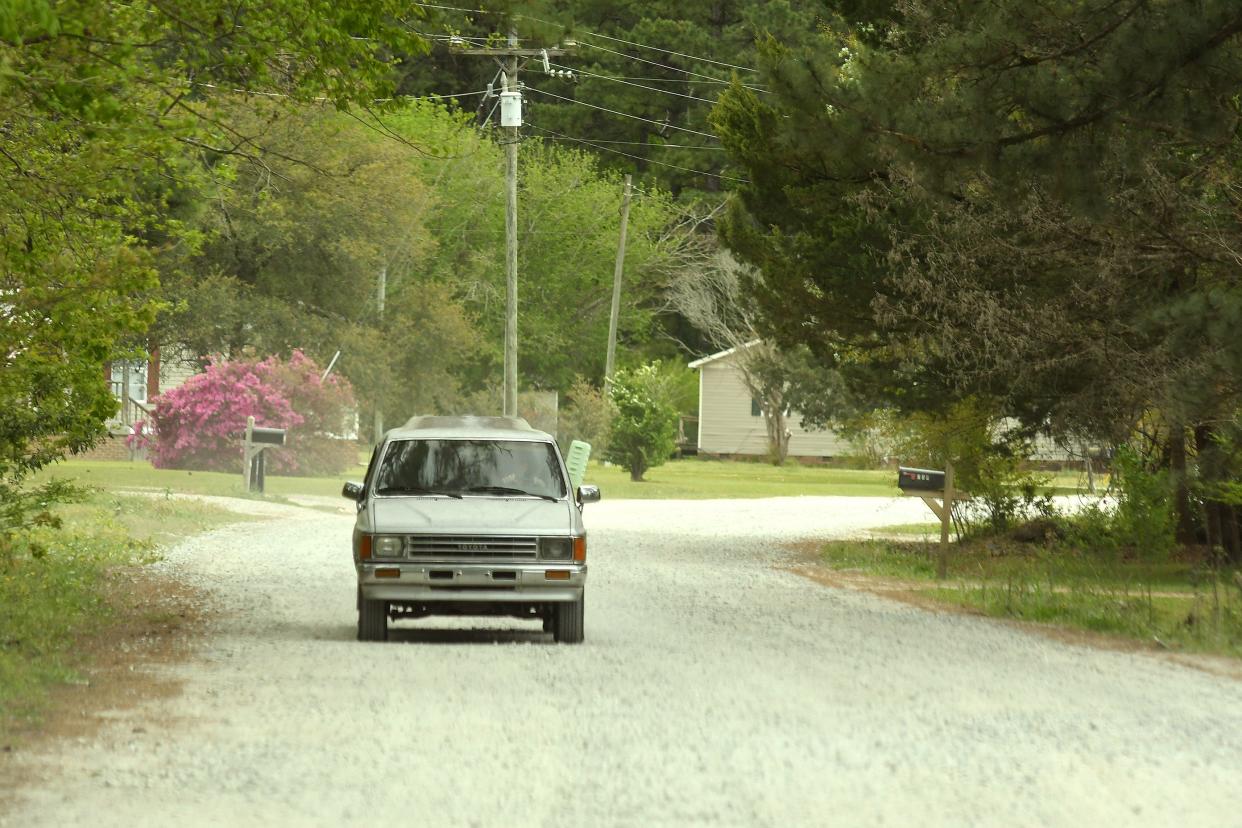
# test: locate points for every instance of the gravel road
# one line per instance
(714, 688)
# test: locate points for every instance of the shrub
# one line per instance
(644, 430)
(1144, 520)
(587, 417)
(199, 425)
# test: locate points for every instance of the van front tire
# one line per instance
(567, 624)
(372, 620)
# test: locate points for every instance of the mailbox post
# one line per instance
(936, 490)
(255, 441)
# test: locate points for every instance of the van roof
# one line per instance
(468, 428)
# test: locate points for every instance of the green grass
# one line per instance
(689, 478)
(920, 530)
(701, 479)
(113, 476)
(53, 585)
(1179, 603)
(695, 479)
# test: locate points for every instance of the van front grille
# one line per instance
(446, 547)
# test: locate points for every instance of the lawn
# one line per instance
(689, 478)
(697, 479)
(700, 479)
(1180, 604)
(114, 476)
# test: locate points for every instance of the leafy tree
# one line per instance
(696, 47)
(1034, 206)
(644, 428)
(586, 415)
(99, 103)
(294, 250)
(568, 218)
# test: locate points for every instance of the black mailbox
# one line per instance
(920, 480)
(267, 436)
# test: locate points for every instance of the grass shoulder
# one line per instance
(1180, 604)
(63, 589)
(697, 479)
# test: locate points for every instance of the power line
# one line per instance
(625, 114)
(557, 135)
(663, 66)
(655, 146)
(614, 39)
(630, 83)
(319, 99)
(454, 8)
(670, 52)
(680, 80)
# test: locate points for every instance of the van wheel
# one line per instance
(372, 620)
(567, 623)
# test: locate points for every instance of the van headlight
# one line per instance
(388, 546)
(556, 549)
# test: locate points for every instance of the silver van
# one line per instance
(469, 516)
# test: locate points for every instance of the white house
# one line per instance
(731, 421)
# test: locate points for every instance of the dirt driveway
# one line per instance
(714, 688)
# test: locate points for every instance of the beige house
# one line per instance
(135, 383)
(731, 421)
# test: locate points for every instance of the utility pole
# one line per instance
(512, 136)
(381, 293)
(511, 122)
(611, 361)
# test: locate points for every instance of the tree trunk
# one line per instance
(1181, 496)
(1233, 535)
(778, 435)
(637, 469)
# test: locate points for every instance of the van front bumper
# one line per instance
(479, 582)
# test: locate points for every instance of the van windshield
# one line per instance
(470, 467)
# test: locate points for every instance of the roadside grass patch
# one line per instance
(1180, 603)
(54, 585)
(698, 479)
(688, 478)
(117, 475)
(919, 530)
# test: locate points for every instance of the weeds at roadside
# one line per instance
(52, 584)
(1183, 604)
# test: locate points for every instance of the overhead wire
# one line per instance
(655, 146)
(625, 114)
(320, 99)
(630, 83)
(669, 51)
(585, 33)
(558, 135)
(663, 66)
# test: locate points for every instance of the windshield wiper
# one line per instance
(415, 490)
(503, 490)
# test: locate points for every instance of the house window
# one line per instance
(756, 410)
(137, 379)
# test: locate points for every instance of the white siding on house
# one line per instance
(727, 426)
(175, 370)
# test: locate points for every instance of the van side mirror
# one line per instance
(353, 491)
(588, 494)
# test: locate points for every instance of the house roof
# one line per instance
(722, 354)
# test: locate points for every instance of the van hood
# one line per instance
(474, 515)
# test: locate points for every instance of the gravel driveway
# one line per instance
(713, 688)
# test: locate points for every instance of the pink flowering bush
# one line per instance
(142, 436)
(199, 425)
